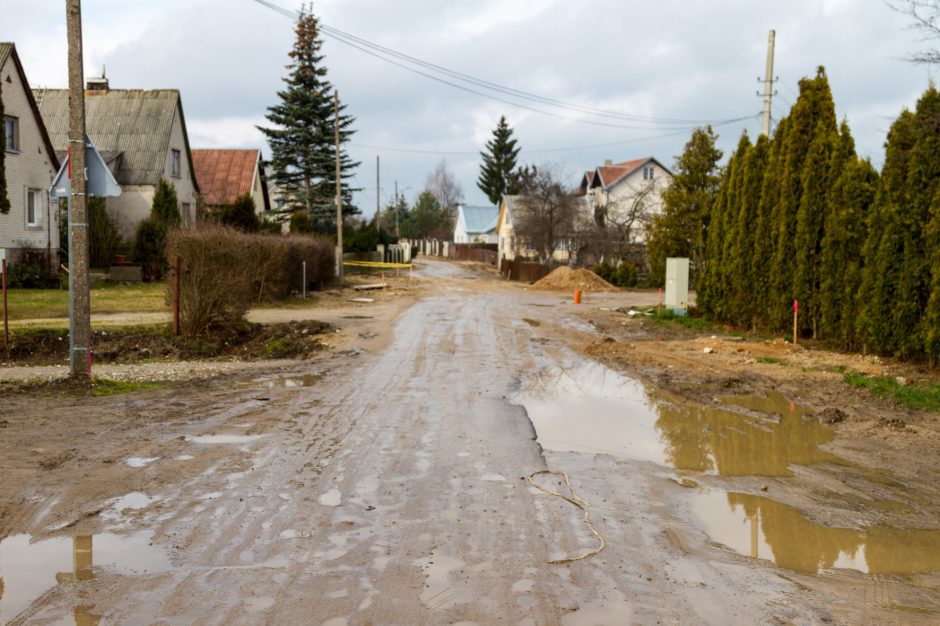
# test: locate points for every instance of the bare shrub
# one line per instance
(226, 270)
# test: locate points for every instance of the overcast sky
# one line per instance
(673, 59)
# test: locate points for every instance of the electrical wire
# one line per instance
(402, 61)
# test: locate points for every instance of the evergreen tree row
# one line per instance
(802, 217)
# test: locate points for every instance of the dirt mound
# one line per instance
(567, 278)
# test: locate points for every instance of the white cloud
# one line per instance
(226, 132)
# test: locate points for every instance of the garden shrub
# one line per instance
(226, 270)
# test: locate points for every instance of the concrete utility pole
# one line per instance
(339, 194)
(378, 203)
(396, 210)
(768, 86)
(79, 300)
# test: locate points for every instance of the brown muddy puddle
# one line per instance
(764, 529)
(589, 408)
(28, 569)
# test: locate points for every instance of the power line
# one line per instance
(389, 56)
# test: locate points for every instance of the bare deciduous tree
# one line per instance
(623, 221)
(926, 21)
(445, 188)
(548, 213)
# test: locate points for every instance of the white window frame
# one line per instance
(36, 195)
(648, 173)
(175, 163)
(12, 138)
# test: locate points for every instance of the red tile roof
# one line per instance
(610, 174)
(224, 175)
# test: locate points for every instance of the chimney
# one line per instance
(98, 84)
(607, 162)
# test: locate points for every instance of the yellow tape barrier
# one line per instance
(381, 265)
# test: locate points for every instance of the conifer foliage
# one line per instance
(4, 199)
(498, 172)
(302, 140)
(801, 217)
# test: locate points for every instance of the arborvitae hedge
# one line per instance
(800, 216)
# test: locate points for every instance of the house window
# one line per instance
(648, 173)
(33, 208)
(175, 163)
(11, 126)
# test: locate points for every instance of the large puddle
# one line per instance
(590, 408)
(764, 529)
(30, 569)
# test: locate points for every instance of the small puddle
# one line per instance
(140, 461)
(593, 409)
(29, 569)
(215, 439)
(765, 529)
(267, 382)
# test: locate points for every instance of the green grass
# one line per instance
(667, 316)
(107, 387)
(925, 397)
(27, 304)
(769, 359)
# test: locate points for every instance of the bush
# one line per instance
(104, 240)
(225, 271)
(623, 275)
(28, 270)
(241, 214)
(149, 248)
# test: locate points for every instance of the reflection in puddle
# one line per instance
(289, 382)
(28, 570)
(211, 439)
(590, 408)
(761, 528)
(140, 461)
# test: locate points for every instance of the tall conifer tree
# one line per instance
(4, 199)
(498, 171)
(932, 315)
(764, 242)
(302, 140)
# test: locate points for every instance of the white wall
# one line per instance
(28, 168)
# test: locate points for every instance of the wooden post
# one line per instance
(796, 309)
(177, 270)
(6, 324)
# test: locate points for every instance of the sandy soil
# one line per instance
(383, 482)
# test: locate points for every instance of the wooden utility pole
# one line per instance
(768, 86)
(339, 194)
(79, 305)
(378, 204)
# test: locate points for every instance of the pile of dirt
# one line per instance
(296, 339)
(565, 278)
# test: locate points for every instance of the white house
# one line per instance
(142, 136)
(31, 165)
(476, 224)
(510, 243)
(626, 195)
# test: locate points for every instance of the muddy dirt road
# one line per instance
(386, 483)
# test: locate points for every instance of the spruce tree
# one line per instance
(302, 140)
(681, 229)
(4, 199)
(497, 173)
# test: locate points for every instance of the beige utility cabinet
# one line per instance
(677, 284)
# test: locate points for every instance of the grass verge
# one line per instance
(27, 304)
(668, 316)
(926, 397)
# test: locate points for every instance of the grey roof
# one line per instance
(133, 123)
(5, 49)
(479, 219)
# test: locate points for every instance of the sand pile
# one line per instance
(565, 278)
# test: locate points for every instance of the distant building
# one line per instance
(224, 175)
(511, 244)
(476, 224)
(614, 191)
(142, 136)
(31, 165)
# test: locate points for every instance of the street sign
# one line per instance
(100, 180)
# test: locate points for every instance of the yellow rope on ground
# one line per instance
(376, 264)
(578, 502)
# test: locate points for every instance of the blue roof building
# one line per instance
(476, 224)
